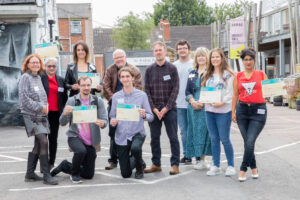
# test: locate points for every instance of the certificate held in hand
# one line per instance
(128, 112)
(84, 114)
(94, 76)
(210, 95)
(273, 87)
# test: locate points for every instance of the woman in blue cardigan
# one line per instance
(198, 140)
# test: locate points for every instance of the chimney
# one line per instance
(165, 26)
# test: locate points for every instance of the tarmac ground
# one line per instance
(277, 154)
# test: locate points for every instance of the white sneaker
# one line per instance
(201, 165)
(213, 171)
(230, 171)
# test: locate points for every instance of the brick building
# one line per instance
(75, 24)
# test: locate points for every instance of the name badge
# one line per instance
(167, 77)
(60, 89)
(120, 101)
(191, 75)
(261, 111)
(36, 88)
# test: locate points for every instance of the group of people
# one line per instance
(171, 96)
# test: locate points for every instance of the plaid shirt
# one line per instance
(162, 85)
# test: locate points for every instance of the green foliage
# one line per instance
(133, 32)
(231, 10)
(183, 12)
(196, 12)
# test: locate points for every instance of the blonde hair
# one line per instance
(201, 51)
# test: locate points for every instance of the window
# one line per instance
(75, 27)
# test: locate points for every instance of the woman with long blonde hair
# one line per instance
(198, 140)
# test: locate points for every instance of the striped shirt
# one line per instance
(32, 95)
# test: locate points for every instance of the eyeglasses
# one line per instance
(120, 57)
(183, 48)
(51, 66)
(248, 60)
(34, 63)
(85, 85)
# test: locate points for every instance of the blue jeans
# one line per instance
(218, 125)
(251, 120)
(182, 123)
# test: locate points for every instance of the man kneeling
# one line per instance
(130, 134)
(82, 137)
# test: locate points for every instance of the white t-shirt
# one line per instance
(226, 94)
(183, 68)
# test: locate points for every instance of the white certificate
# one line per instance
(210, 95)
(47, 50)
(273, 87)
(94, 76)
(128, 112)
(84, 114)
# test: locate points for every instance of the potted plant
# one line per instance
(298, 102)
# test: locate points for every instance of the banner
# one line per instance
(47, 50)
(237, 37)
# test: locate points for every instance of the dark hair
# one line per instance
(126, 69)
(86, 49)
(248, 51)
(181, 43)
(224, 66)
(84, 78)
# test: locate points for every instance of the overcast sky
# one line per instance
(106, 12)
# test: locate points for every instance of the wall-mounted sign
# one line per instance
(237, 37)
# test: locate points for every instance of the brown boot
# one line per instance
(174, 170)
(152, 169)
(111, 166)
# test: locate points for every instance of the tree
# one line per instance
(133, 32)
(183, 12)
(231, 10)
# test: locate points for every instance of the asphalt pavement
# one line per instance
(277, 153)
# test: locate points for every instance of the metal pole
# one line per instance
(255, 42)
(293, 45)
(297, 29)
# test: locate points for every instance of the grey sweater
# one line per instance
(32, 95)
(95, 130)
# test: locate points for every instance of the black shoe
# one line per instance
(48, 179)
(59, 168)
(31, 165)
(188, 161)
(75, 179)
(182, 160)
(111, 165)
(139, 174)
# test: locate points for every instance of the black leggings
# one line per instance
(40, 144)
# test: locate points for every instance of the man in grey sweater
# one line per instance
(83, 138)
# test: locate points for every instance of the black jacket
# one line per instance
(71, 77)
(62, 95)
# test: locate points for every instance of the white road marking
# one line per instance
(72, 186)
(136, 181)
(13, 158)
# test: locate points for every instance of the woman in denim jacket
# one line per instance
(198, 140)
